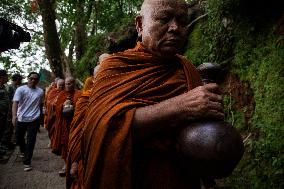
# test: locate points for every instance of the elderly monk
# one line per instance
(74, 157)
(60, 136)
(51, 86)
(49, 104)
(139, 99)
(89, 80)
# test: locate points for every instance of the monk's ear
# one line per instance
(139, 25)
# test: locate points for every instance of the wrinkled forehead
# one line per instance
(156, 6)
(60, 82)
(69, 81)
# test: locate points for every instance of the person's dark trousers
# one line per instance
(3, 123)
(27, 147)
(8, 133)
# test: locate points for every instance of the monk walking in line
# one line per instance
(74, 158)
(64, 111)
(49, 104)
(139, 99)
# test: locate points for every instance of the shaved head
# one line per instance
(148, 4)
(70, 79)
(69, 83)
(102, 57)
(60, 84)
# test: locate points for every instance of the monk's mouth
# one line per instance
(172, 43)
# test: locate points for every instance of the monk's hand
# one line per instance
(202, 102)
(74, 170)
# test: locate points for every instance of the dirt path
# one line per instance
(45, 169)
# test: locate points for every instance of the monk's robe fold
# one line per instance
(46, 102)
(126, 81)
(50, 102)
(76, 127)
(88, 83)
(60, 136)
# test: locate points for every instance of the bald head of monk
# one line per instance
(162, 26)
(102, 57)
(69, 84)
(60, 84)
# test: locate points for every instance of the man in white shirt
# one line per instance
(26, 112)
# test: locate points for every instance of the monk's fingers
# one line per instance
(213, 87)
(215, 106)
(215, 114)
(214, 97)
(74, 170)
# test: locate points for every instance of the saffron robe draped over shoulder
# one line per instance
(126, 81)
(50, 101)
(60, 136)
(76, 128)
(88, 83)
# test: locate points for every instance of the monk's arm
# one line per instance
(201, 102)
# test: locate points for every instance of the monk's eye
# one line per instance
(163, 19)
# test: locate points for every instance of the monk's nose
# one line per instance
(173, 25)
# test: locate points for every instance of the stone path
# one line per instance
(45, 169)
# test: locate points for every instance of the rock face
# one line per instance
(122, 39)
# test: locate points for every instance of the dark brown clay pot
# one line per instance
(210, 148)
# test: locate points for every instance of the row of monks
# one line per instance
(60, 96)
(63, 111)
(123, 131)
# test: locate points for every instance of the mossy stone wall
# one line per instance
(246, 39)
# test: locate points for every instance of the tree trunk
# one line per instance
(80, 30)
(53, 49)
(96, 9)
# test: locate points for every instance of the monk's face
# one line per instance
(163, 26)
(69, 84)
(60, 84)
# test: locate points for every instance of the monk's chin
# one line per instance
(169, 51)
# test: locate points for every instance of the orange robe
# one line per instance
(60, 136)
(74, 141)
(88, 83)
(75, 136)
(50, 101)
(47, 92)
(125, 82)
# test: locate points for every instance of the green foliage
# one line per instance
(243, 38)
(262, 66)
(10, 9)
(30, 56)
(212, 36)
(96, 45)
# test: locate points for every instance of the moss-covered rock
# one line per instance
(245, 38)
